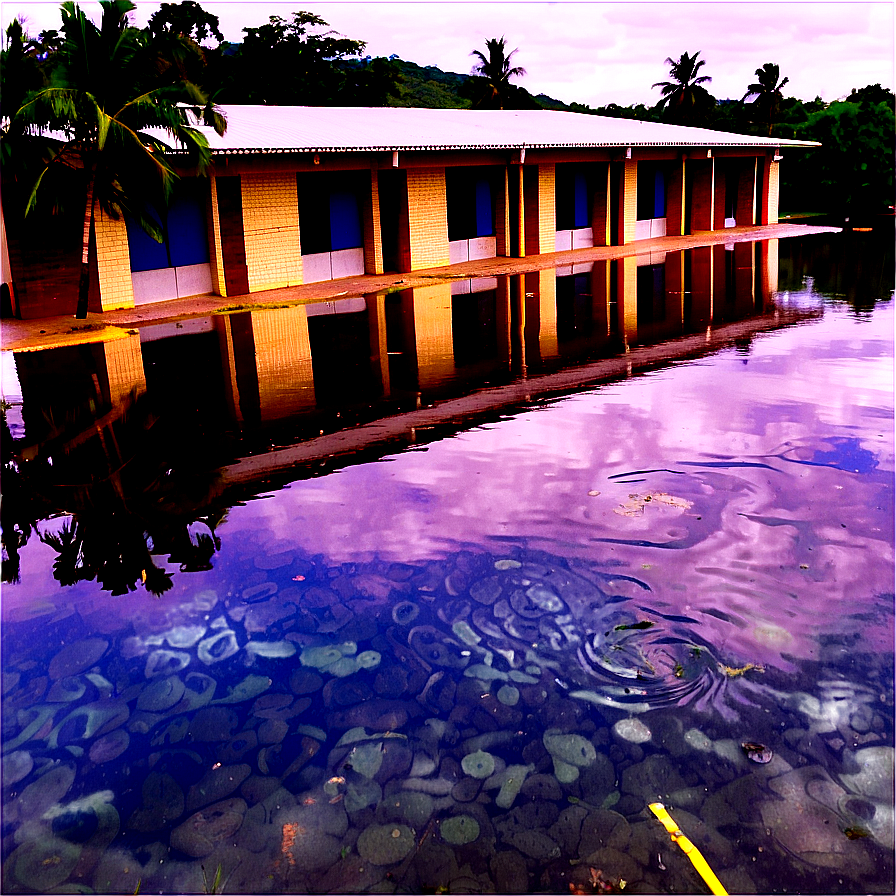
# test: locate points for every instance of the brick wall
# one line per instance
(213, 223)
(502, 214)
(373, 234)
(124, 368)
(271, 230)
(427, 217)
(702, 193)
(745, 211)
(433, 333)
(113, 263)
(283, 355)
(701, 284)
(540, 208)
(628, 202)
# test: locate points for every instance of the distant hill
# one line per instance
(430, 87)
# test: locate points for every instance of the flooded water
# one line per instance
(437, 591)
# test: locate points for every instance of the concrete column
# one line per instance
(745, 211)
(502, 305)
(516, 211)
(600, 206)
(768, 196)
(427, 218)
(628, 202)
(215, 255)
(503, 240)
(676, 225)
(702, 174)
(373, 234)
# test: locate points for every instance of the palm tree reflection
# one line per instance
(145, 494)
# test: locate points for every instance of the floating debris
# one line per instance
(733, 672)
(635, 504)
(645, 623)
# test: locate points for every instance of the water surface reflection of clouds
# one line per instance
(762, 451)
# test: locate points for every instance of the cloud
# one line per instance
(597, 53)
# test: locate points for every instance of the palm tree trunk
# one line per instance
(84, 281)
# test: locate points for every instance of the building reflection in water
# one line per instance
(333, 363)
(132, 438)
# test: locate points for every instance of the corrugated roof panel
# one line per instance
(347, 129)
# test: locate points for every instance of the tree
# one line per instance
(684, 100)
(767, 93)
(496, 71)
(177, 31)
(104, 97)
(851, 173)
(289, 63)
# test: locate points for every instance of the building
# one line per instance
(306, 194)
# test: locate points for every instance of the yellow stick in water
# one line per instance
(688, 849)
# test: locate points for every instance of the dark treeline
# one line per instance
(299, 60)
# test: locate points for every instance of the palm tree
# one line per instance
(768, 94)
(683, 97)
(106, 101)
(497, 71)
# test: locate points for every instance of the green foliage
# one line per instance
(766, 93)
(106, 87)
(852, 172)
(289, 62)
(685, 100)
(492, 89)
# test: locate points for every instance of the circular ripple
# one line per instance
(649, 666)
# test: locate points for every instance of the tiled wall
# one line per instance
(271, 230)
(113, 262)
(427, 217)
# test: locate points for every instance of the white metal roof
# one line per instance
(252, 129)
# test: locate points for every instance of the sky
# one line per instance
(595, 52)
